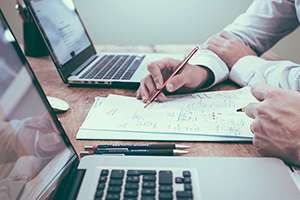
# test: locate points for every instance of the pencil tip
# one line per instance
(180, 152)
(179, 146)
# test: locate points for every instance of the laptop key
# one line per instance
(133, 173)
(101, 186)
(184, 194)
(147, 172)
(115, 182)
(104, 172)
(133, 179)
(113, 189)
(149, 178)
(165, 196)
(165, 177)
(149, 185)
(165, 188)
(99, 194)
(110, 196)
(149, 192)
(179, 180)
(132, 186)
(188, 187)
(187, 180)
(102, 179)
(130, 193)
(186, 174)
(117, 174)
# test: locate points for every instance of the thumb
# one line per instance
(175, 83)
(260, 91)
(250, 110)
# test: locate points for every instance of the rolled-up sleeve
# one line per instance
(265, 23)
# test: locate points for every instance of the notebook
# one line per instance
(209, 116)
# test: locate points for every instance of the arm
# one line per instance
(251, 69)
(265, 23)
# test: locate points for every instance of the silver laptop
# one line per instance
(74, 54)
(37, 160)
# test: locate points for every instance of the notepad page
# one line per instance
(210, 113)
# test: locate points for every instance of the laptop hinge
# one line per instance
(84, 65)
(69, 187)
(76, 183)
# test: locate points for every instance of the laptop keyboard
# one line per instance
(114, 67)
(144, 185)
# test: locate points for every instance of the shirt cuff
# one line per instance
(211, 61)
(245, 71)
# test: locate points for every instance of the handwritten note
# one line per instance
(210, 113)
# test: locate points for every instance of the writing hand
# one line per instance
(276, 124)
(191, 77)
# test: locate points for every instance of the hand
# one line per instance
(191, 77)
(229, 48)
(276, 124)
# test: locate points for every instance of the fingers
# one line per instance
(142, 92)
(261, 91)
(226, 35)
(157, 67)
(176, 82)
(251, 110)
(147, 89)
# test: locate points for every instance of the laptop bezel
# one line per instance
(74, 159)
(77, 61)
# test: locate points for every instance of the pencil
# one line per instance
(180, 67)
(240, 110)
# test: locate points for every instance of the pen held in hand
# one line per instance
(179, 68)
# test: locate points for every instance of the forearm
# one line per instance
(251, 69)
(265, 23)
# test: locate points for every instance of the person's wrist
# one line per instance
(207, 77)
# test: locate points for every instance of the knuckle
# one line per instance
(273, 93)
(261, 110)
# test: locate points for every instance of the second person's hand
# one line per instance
(190, 78)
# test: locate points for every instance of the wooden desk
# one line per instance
(81, 99)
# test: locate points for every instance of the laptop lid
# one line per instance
(64, 33)
(35, 151)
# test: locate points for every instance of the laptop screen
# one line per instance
(33, 149)
(62, 28)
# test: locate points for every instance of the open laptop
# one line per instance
(74, 54)
(37, 160)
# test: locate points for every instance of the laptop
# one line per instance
(38, 161)
(73, 51)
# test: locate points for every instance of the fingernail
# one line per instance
(170, 87)
(144, 99)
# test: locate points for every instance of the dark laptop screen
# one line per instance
(33, 149)
(62, 28)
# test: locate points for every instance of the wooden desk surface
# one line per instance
(81, 100)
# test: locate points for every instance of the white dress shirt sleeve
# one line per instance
(265, 23)
(251, 69)
(211, 61)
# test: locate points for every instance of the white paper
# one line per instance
(210, 114)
